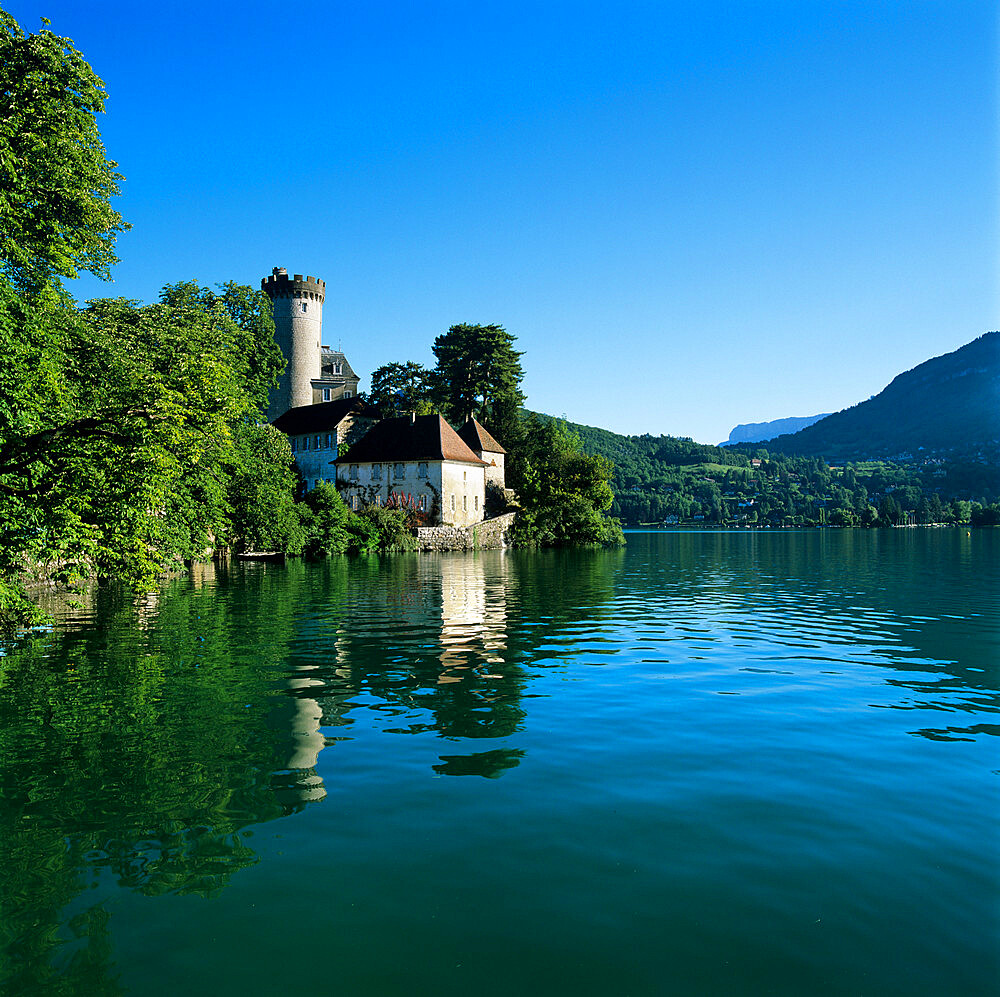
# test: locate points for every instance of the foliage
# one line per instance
(128, 434)
(661, 479)
(55, 179)
(325, 520)
(401, 388)
(378, 529)
(478, 373)
(262, 485)
(564, 491)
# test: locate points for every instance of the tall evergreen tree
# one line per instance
(478, 374)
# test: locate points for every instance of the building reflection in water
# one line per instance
(428, 638)
(473, 615)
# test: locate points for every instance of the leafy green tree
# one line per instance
(56, 219)
(400, 388)
(564, 491)
(325, 519)
(262, 484)
(125, 433)
(478, 374)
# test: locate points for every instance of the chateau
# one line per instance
(315, 373)
(419, 463)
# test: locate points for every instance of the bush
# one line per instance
(376, 528)
(325, 519)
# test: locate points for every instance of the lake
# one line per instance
(710, 763)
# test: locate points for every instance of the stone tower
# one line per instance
(298, 330)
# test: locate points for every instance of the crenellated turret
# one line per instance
(298, 331)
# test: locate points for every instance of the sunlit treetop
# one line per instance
(56, 180)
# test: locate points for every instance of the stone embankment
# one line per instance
(491, 534)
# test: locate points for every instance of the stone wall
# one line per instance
(491, 534)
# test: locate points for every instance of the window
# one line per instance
(316, 443)
(353, 473)
(327, 394)
(399, 471)
(305, 442)
(453, 503)
(348, 394)
(376, 472)
(475, 502)
(295, 444)
(465, 503)
(338, 368)
(422, 469)
(465, 475)
(303, 306)
(327, 441)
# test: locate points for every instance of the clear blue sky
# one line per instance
(690, 214)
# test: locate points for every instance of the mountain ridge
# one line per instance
(760, 432)
(947, 403)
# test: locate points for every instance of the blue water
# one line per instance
(712, 763)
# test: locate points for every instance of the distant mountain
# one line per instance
(758, 432)
(949, 403)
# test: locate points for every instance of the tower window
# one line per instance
(304, 306)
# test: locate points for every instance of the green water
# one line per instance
(712, 763)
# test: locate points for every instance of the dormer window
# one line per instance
(338, 368)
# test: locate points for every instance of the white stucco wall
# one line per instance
(495, 470)
(463, 492)
(445, 481)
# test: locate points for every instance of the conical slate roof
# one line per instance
(427, 437)
(478, 439)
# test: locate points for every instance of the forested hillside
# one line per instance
(667, 480)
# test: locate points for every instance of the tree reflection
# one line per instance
(140, 742)
(142, 746)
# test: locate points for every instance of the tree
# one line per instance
(400, 388)
(326, 519)
(129, 438)
(563, 490)
(56, 181)
(478, 374)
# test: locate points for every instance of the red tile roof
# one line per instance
(428, 437)
(478, 439)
